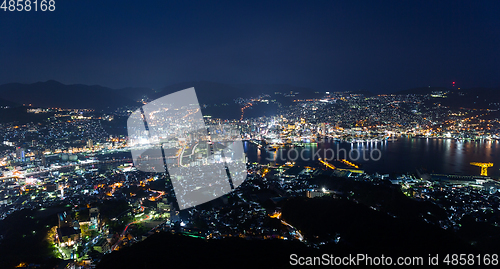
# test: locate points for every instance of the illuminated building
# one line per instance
(67, 232)
(94, 219)
(20, 154)
(102, 246)
(317, 193)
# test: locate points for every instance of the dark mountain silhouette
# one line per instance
(137, 93)
(359, 228)
(163, 250)
(4, 103)
(213, 92)
(19, 115)
(55, 94)
(422, 90)
(273, 88)
(207, 92)
(478, 97)
(364, 92)
(217, 99)
(474, 98)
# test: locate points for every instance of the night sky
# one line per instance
(380, 46)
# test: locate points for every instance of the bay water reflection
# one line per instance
(446, 156)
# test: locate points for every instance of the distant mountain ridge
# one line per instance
(218, 99)
(478, 97)
(214, 92)
(211, 95)
(430, 90)
(55, 94)
(6, 103)
(422, 90)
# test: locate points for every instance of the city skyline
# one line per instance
(152, 134)
(410, 161)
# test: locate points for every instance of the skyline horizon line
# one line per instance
(453, 86)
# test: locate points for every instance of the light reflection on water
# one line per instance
(404, 155)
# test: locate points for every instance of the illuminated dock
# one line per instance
(351, 167)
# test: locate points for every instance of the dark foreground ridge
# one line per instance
(361, 231)
(164, 250)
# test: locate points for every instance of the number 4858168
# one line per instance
(27, 5)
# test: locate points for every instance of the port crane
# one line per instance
(484, 167)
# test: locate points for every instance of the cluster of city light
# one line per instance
(275, 215)
(243, 110)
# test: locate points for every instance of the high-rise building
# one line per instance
(94, 218)
(20, 153)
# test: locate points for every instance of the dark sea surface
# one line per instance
(441, 156)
